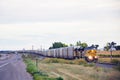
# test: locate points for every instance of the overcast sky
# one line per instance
(24, 23)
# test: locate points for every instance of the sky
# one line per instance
(40, 23)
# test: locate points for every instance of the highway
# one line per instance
(13, 68)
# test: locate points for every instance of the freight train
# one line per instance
(73, 52)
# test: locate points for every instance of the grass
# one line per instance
(36, 73)
(64, 61)
(115, 61)
(59, 69)
(104, 57)
(79, 72)
(108, 60)
(74, 70)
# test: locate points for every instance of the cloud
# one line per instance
(41, 22)
(48, 32)
(53, 10)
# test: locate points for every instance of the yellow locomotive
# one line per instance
(89, 54)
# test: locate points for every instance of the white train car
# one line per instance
(50, 53)
(65, 52)
(46, 52)
(61, 52)
(57, 53)
(70, 52)
(43, 53)
(53, 53)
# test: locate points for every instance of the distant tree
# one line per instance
(107, 46)
(50, 47)
(65, 45)
(112, 44)
(84, 45)
(71, 44)
(78, 43)
(58, 45)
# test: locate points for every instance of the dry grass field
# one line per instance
(78, 72)
(104, 56)
(108, 60)
(108, 52)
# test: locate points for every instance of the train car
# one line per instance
(70, 52)
(58, 52)
(51, 53)
(89, 53)
(54, 55)
(76, 53)
(61, 52)
(42, 53)
(65, 52)
(47, 53)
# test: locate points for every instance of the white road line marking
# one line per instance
(3, 65)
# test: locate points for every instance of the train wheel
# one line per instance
(95, 60)
(76, 57)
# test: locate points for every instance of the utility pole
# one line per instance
(37, 63)
(32, 47)
(111, 45)
(23, 50)
(41, 47)
(111, 53)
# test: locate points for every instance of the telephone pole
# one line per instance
(41, 47)
(32, 47)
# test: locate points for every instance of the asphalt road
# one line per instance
(13, 68)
